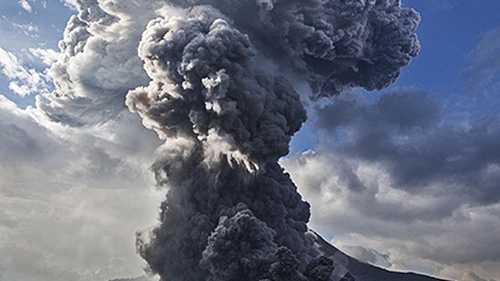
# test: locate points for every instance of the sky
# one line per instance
(405, 178)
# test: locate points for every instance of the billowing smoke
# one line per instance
(231, 212)
(216, 80)
(226, 124)
(333, 44)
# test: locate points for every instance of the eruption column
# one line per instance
(226, 124)
(231, 213)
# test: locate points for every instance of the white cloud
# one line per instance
(48, 56)
(24, 80)
(98, 62)
(25, 5)
(72, 4)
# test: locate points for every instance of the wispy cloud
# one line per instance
(483, 64)
(47, 56)
(24, 80)
(28, 29)
(25, 5)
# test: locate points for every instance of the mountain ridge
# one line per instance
(362, 271)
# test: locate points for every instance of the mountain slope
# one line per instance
(366, 272)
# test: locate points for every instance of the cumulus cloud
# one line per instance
(98, 62)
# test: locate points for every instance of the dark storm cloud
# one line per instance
(408, 132)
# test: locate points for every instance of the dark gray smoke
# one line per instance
(334, 44)
(231, 213)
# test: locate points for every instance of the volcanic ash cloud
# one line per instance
(231, 213)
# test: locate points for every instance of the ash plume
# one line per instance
(333, 44)
(225, 124)
(231, 212)
(221, 95)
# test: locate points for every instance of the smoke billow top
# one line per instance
(231, 212)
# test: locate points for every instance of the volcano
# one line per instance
(362, 271)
